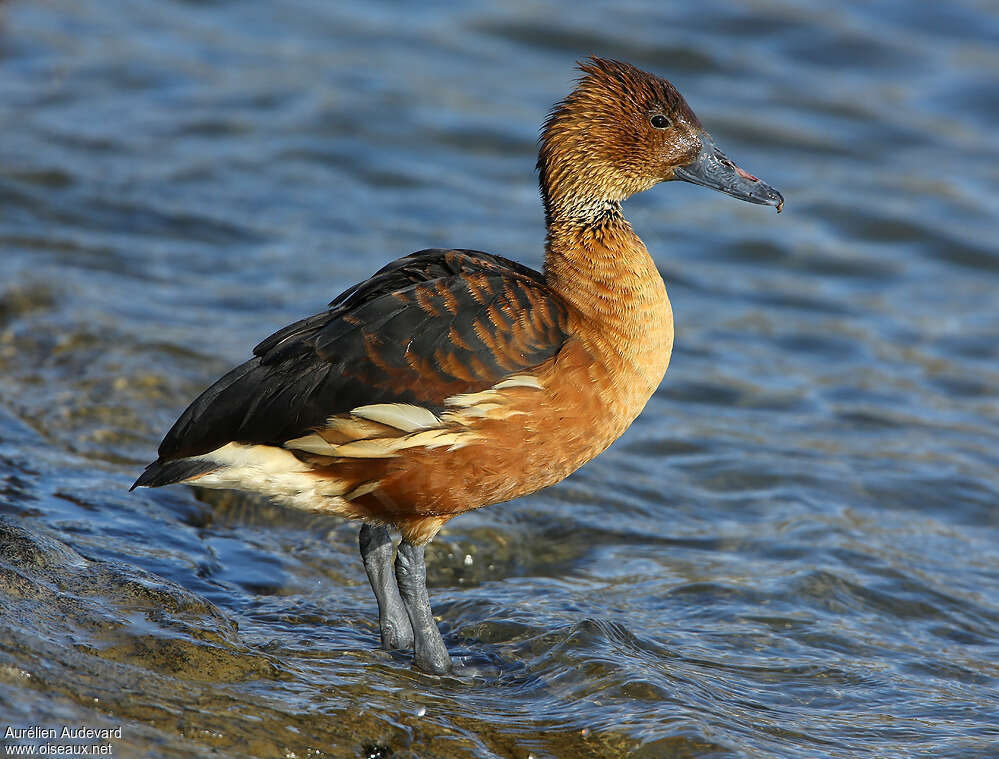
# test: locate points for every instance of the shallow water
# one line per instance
(793, 553)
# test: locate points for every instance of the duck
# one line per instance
(454, 379)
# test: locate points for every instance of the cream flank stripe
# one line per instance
(422, 428)
(366, 430)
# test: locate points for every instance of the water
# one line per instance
(793, 553)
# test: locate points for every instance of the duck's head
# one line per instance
(622, 131)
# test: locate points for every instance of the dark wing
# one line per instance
(425, 327)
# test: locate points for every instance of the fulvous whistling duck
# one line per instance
(454, 379)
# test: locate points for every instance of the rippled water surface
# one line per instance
(794, 552)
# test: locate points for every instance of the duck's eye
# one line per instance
(659, 121)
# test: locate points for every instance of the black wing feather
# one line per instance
(375, 344)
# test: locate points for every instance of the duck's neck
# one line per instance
(601, 268)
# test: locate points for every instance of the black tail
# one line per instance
(167, 472)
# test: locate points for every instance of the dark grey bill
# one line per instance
(714, 169)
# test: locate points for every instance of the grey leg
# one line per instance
(430, 653)
(376, 553)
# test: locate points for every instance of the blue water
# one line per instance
(793, 553)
